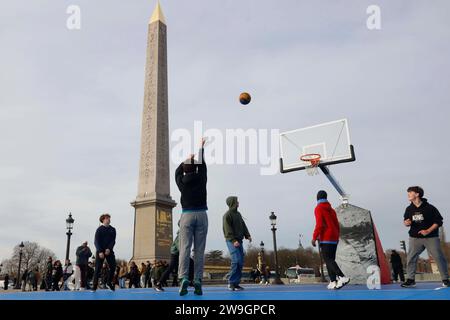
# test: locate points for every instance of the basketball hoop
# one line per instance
(314, 160)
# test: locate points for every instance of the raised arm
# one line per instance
(179, 176)
(201, 159)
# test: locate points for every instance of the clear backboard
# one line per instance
(330, 140)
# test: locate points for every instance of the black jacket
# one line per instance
(83, 254)
(105, 238)
(396, 260)
(422, 218)
(193, 186)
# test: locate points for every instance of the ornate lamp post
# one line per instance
(273, 222)
(18, 280)
(69, 227)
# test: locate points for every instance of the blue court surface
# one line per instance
(423, 291)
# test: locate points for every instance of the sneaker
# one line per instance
(332, 285)
(231, 287)
(446, 283)
(110, 286)
(184, 287)
(409, 283)
(342, 281)
(159, 288)
(198, 288)
(238, 288)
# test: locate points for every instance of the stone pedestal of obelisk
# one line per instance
(153, 204)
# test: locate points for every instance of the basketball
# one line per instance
(245, 98)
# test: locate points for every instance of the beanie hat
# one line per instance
(321, 195)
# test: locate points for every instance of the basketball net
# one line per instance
(313, 161)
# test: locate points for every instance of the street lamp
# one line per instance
(17, 286)
(300, 245)
(69, 227)
(273, 223)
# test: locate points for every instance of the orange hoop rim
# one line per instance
(312, 158)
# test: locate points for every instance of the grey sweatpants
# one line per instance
(193, 230)
(417, 246)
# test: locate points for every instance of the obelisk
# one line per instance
(153, 204)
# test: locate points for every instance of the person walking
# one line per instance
(48, 280)
(67, 274)
(31, 280)
(173, 265)
(105, 239)
(143, 271)
(83, 254)
(327, 233)
(37, 276)
(6, 282)
(89, 275)
(397, 266)
(123, 275)
(23, 280)
(134, 276)
(148, 269)
(191, 179)
(56, 275)
(423, 220)
(235, 230)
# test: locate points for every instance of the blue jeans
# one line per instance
(122, 283)
(237, 263)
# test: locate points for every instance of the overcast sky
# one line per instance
(71, 103)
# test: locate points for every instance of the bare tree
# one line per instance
(33, 255)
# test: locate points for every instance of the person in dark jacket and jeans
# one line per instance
(6, 282)
(327, 233)
(48, 274)
(397, 266)
(105, 239)
(57, 274)
(191, 178)
(424, 221)
(235, 230)
(83, 254)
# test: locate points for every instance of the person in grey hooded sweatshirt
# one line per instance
(235, 230)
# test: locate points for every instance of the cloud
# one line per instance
(71, 104)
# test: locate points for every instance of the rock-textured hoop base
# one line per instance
(357, 249)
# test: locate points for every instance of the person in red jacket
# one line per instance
(327, 233)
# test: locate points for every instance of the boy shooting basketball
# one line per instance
(191, 178)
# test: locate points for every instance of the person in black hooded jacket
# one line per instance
(397, 266)
(423, 220)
